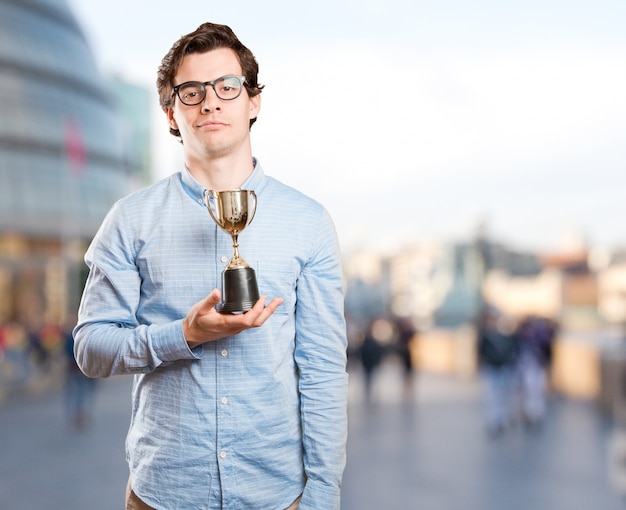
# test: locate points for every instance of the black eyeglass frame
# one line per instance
(203, 86)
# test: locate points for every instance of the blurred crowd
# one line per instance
(380, 339)
(28, 352)
(36, 358)
(514, 358)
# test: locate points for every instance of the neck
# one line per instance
(222, 173)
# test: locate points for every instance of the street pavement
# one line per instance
(426, 451)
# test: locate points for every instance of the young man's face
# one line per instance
(215, 127)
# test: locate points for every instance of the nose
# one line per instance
(211, 101)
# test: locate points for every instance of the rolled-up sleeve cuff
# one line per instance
(319, 495)
(169, 343)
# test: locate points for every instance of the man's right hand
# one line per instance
(204, 323)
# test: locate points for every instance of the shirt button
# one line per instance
(224, 353)
(200, 201)
(224, 258)
(224, 400)
(223, 455)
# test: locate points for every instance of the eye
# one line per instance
(190, 91)
(228, 87)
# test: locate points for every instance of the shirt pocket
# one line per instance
(278, 278)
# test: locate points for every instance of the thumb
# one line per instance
(210, 301)
(192, 323)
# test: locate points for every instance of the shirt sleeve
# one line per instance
(321, 358)
(108, 339)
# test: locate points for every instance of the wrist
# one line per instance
(187, 334)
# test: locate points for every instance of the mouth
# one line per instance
(212, 125)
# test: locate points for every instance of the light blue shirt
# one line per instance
(250, 421)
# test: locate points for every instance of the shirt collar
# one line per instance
(255, 180)
(196, 190)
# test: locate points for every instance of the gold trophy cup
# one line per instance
(233, 211)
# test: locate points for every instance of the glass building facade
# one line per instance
(63, 162)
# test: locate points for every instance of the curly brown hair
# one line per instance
(208, 36)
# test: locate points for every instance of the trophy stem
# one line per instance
(235, 245)
(237, 261)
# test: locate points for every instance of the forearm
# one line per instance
(103, 349)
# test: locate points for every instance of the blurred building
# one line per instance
(438, 285)
(64, 158)
(133, 107)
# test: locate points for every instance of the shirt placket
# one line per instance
(224, 370)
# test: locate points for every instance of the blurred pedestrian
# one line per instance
(15, 365)
(498, 352)
(536, 336)
(405, 339)
(371, 353)
(354, 333)
(39, 355)
(79, 390)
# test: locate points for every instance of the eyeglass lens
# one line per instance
(193, 92)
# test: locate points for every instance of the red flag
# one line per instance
(75, 149)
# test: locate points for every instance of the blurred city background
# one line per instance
(489, 177)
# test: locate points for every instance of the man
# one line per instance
(241, 411)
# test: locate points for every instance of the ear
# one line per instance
(169, 112)
(255, 106)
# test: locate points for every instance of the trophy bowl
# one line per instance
(233, 211)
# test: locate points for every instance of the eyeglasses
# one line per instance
(193, 93)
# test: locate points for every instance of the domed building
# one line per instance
(62, 160)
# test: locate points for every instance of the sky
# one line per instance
(416, 121)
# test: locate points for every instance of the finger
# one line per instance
(255, 311)
(270, 309)
(273, 305)
(260, 313)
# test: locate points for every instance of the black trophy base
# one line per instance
(240, 290)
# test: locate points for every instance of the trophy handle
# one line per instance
(208, 193)
(253, 194)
